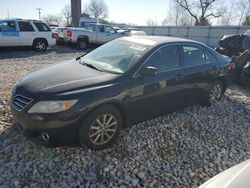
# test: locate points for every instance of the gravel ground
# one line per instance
(180, 149)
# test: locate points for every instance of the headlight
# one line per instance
(52, 106)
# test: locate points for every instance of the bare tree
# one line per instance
(97, 8)
(200, 10)
(66, 12)
(229, 16)
(246, 21)
(52, 19)
(177, 16)
(244, 7)
(152, 22)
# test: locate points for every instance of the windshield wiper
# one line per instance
(78, 58)
(90, 66)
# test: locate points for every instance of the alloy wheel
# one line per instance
(40, 46)
(215, 93)
(103, 129)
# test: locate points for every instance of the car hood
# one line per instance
(63, 77)
(237, 176)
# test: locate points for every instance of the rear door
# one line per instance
(200, 69)
(27, 33)
(9, 36)
(155, 95)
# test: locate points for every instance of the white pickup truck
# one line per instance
(20, 32)
(92, 34)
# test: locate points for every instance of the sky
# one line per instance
(121, 11)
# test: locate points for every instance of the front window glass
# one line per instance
(117, 56)
(109, 30)
(7, 26)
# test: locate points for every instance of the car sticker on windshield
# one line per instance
(136, 47)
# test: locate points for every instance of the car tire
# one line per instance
(82, 44)
(100, 128)
(214, 93)
(40, 45)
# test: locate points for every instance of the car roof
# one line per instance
(19, 19)
(156, 40)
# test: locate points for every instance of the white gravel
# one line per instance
(180, 149)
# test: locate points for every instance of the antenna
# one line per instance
(8, 13)
(39, 12)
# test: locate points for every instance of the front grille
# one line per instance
(19, 102)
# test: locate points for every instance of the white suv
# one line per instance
(19, 32)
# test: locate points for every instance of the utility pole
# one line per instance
(39, 12)
(75, 12)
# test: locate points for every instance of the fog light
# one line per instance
(45, 136)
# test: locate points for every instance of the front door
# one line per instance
(111, 34)
(155, 95)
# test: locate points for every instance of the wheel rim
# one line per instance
(40, 46)
(215, 94)
(103, 129)
(83, 44)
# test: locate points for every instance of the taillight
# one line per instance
(69, 34)
(54, 35)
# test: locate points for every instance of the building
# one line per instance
(86, 21)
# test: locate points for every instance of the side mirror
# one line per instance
(148, 71)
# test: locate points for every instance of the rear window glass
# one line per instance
(193, 56)
(25, 26)
(166, 58)
(7, 26)
(42, 27)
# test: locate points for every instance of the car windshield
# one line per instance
(116, 57)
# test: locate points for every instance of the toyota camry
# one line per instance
(89, 99)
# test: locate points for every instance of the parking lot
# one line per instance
(180, 149)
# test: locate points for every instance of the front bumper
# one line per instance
(61, 128)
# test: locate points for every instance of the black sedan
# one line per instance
(128, 80)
